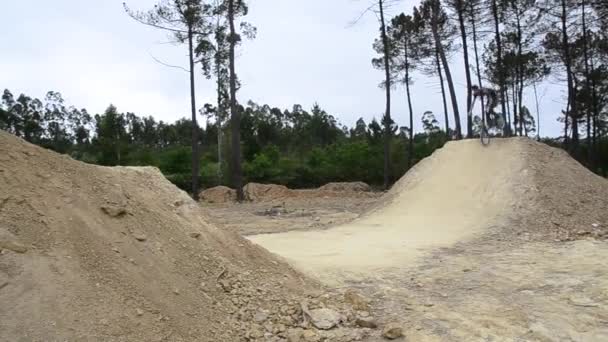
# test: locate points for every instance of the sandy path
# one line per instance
(449, 197)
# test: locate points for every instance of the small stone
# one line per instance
(113, 210)
(356, 300)
(13, 246)
(310, 336)
(139, 312)
(3, 285)
(255, 332)
(392, 331)
(176, 291)
(260, 317)
(195, 235)
(595, 225)
(104, 321)
(324, 318)
(366, 323)
(140, 237)
(466, 270)
(115, 250)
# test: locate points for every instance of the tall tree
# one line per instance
(558, 45)
(459, 9)
(475, 14)
(184, 19)
(436, 20)
(386, 120)
(497, 16)
(235, 9)
(406, 42)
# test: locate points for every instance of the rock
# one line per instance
(139, 312)
(392, 331)
(301, 335)
(324, 318)
(140, 237)
(595, 225)
(356, 300)
(195, 235)
(176, 291)
(255, 332)
(310, 336)
(115, 250)
(367, 322)
(114, 210)
(3, 285)
(260, 317)
(13, 246)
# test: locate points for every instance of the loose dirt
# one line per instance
(91, 253)
(475, 244)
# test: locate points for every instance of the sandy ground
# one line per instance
(423, 212)
(288, 214)
(444, 259)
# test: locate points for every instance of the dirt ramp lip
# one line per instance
(452, 196)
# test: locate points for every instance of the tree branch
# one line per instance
(168, 65)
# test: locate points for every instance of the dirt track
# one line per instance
(499, 244)
(465, 248)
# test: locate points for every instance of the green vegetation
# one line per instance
(295, 147)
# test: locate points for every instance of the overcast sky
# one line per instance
(305, 52)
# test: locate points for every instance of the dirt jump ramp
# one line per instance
(91, 253)
(461, 192)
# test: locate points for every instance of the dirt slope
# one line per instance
(458, 194)
(91, 253)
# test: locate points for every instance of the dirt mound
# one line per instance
(97, 253)
(563, 200)
(256, 192)
(346, 187)
(218, 194)
(515, 189)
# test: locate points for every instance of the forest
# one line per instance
(512, 46)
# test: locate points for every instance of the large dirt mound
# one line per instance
(92, 253)
(516, 188)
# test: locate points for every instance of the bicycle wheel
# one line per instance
(484, 136)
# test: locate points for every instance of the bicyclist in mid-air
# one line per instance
(491, 98)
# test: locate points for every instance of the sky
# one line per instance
(305, 52)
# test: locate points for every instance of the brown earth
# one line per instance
(91, 253)
(504, 243)
(256, 192)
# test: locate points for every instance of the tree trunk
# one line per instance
(588, 84)
(501, 81)
(467, 72)
(220, 109)
(443, 97)
(516, 114)
(475, 49)
(508, 107)
(568, 64)
(387, 115)
(537, 113)
(235, 115)
(520, 78)
(448, 74)
(195, 144)
(596, 114)
(219, 123)
(409, 104)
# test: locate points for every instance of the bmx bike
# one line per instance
(487, 125)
